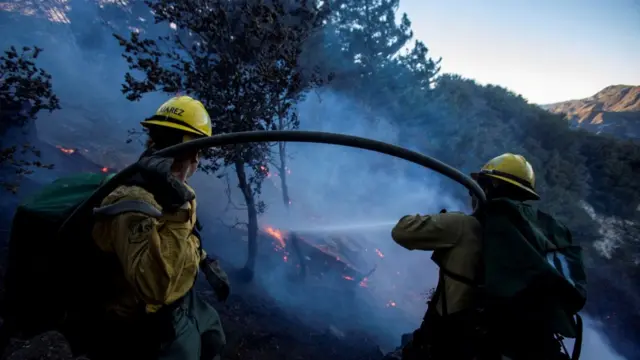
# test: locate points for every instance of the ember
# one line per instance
(105, 169)
(391, 304)
(66, 150)
(380, 253)
(265, 171)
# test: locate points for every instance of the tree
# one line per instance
(235, 57)
(370, 42)
(369, 50)
(25, 90)
(368, 35)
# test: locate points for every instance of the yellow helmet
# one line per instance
(513, 169)
(182, 113)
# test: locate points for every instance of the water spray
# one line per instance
(370, 226)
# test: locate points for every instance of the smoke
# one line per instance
(345, 192)
(335, 190)
(88, 71)
(594, 345)
(361, 194)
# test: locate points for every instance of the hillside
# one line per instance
(614, 110)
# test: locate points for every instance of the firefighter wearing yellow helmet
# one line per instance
(183, 114)
(513, 170)
(460, 244)
(149, 225)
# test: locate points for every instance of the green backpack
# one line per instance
(62, 281)
(45, 272)
(531, 285)
(534, 278)
(532, 281)
(525, 248)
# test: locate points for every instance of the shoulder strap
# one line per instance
(127, 206)
(577, 346)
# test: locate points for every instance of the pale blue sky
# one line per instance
(546, 50)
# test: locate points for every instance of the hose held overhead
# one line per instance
(284, 136)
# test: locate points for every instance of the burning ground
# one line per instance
(325, 304)
(298, 269)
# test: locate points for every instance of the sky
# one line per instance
(546, 50)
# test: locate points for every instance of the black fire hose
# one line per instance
(278, 136)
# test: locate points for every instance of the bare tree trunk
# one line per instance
(282, 167)
(286, 199)
(252, 214)
(282, 172)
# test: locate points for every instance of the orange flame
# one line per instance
(276, 234)
(66, 150)
(104, 169)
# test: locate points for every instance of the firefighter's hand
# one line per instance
(216, 277)
(169, 191)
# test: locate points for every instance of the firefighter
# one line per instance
(461, 244)
(150, 226)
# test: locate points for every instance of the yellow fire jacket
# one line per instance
(159, 256)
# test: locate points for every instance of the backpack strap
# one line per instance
(126, 206)
(577, 346)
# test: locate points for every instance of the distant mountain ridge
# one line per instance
(614, 110)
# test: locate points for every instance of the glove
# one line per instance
(169, 191)
(216, 277)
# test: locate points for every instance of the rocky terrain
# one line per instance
(614, 110)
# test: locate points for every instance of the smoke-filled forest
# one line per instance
(77, 77)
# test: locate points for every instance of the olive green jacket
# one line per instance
(455, 239)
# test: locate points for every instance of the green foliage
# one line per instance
(363, 44)
(614, 169)
(237, 58)
(25, 90)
